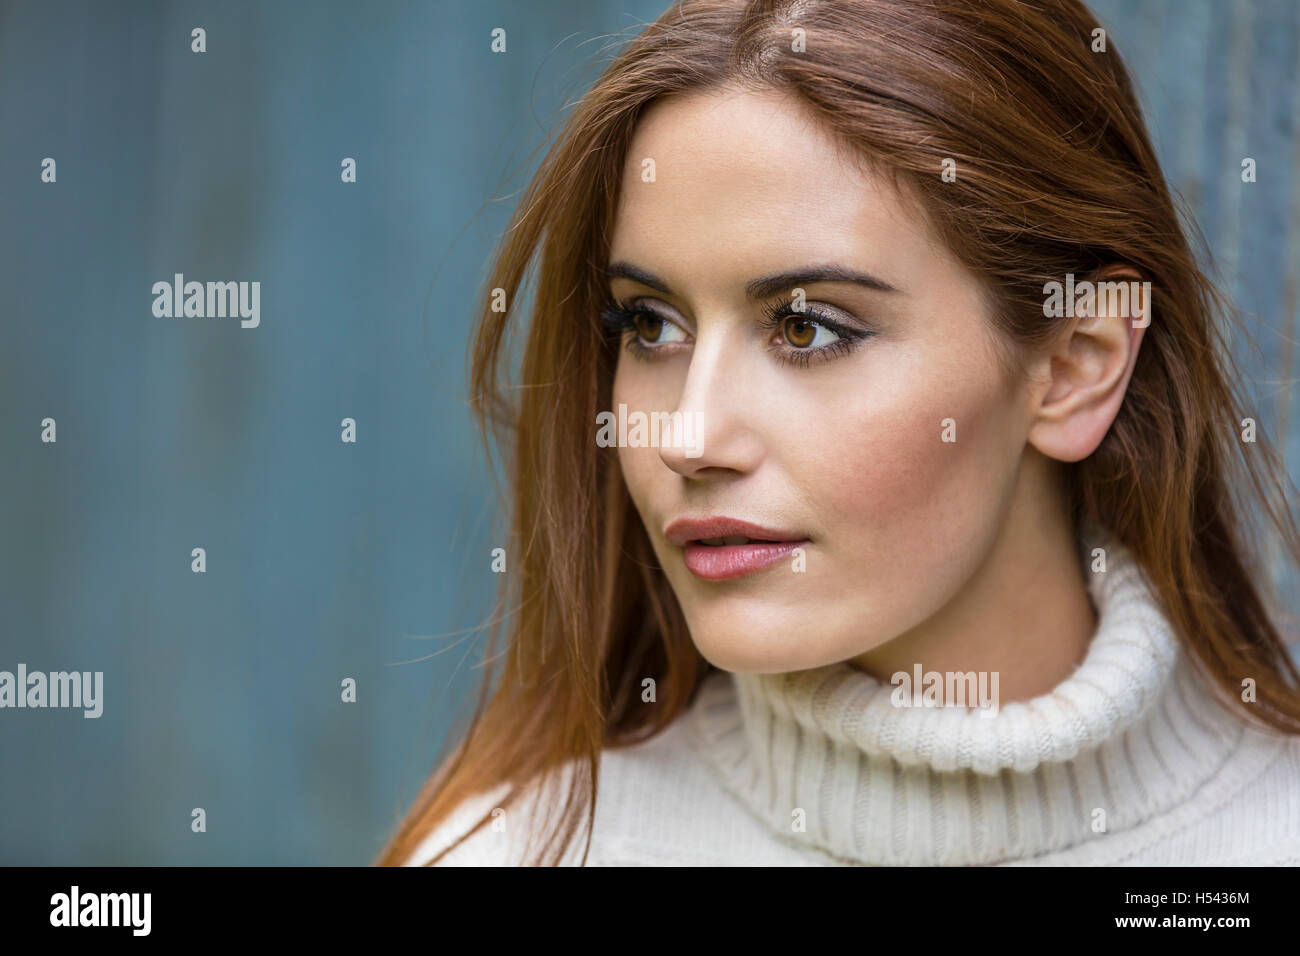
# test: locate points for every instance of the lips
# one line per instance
(717, 549)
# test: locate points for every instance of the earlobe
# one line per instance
(1087, 368)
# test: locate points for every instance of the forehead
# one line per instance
(751, 179)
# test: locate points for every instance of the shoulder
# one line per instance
(659, 802)
(504, 840)
(1264, 813)
(484, 848)
(1247, 815)
(642, 789)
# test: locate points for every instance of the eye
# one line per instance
(656, 330)
(805, 333)
(800, 336)
(650, 331)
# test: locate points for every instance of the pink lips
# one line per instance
(721, 562)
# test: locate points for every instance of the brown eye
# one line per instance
(649, 327)
(799, 332)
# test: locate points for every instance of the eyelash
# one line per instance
(618, 319)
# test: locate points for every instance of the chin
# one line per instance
(743, 636)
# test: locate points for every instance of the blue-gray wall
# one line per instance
(328, 560)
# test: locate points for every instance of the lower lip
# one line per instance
(733, 560)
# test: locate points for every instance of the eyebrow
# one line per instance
(766, 286)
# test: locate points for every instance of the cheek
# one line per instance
(639, 470)
(908, 493)
(641, 466)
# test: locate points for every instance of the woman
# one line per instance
(952, 571)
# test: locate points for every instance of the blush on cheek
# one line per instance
(903, 492)
(631, 461)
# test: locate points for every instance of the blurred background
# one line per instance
(328, 560)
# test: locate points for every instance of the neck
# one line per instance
(1030, 581)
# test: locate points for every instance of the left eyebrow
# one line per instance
(766, 286)
(769, 286)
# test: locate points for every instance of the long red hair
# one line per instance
(1056, 175)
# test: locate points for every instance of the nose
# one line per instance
(718, 415)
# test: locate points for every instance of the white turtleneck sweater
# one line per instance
(1129, 760)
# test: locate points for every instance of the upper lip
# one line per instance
(685, 530)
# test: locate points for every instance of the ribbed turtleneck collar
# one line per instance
(1130, 733)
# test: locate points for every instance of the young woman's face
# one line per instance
(823, 430)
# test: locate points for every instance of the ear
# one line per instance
(1081, 376)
